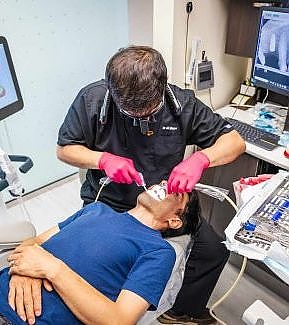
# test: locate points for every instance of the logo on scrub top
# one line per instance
(169, 130)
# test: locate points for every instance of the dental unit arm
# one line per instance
(13, 231)
(8, 173)
(213, 191)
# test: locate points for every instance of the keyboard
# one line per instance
(258, 137)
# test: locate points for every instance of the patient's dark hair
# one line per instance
(190, 217)
(136, 77)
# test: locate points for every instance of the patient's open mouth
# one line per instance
(158, 192)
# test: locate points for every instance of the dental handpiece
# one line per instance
(143, 184)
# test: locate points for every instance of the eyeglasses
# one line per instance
(142, 117)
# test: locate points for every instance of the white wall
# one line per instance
(57, 48)
(163, 31)
(140, 22)
(208, 21)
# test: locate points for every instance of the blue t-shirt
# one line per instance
(110, 250)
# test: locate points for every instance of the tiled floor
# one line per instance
(56, 202)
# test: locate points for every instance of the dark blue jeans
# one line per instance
(4, 321)
(204, 266)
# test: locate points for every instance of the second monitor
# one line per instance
(10, 96)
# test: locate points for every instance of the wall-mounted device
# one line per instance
(204, 74)
(10, 96)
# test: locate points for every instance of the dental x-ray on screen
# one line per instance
(271, 63)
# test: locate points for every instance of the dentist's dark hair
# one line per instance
(136, 78)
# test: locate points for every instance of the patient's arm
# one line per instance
(82, 299)
(25, 292)
(40, 239)
(25, 296)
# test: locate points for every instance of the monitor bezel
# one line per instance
(259, 83)
(18, 104)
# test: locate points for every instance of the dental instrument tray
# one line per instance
(260, 229)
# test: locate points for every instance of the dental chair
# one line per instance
(182, 245)
(12, 231)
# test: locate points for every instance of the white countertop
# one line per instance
(275, 157)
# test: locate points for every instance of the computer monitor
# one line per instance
(271, 62)
(10, 96)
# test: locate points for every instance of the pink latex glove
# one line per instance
(186, 174)
(119, 169)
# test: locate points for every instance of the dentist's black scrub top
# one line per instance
(154, 156)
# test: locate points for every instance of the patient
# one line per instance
(100, 275)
